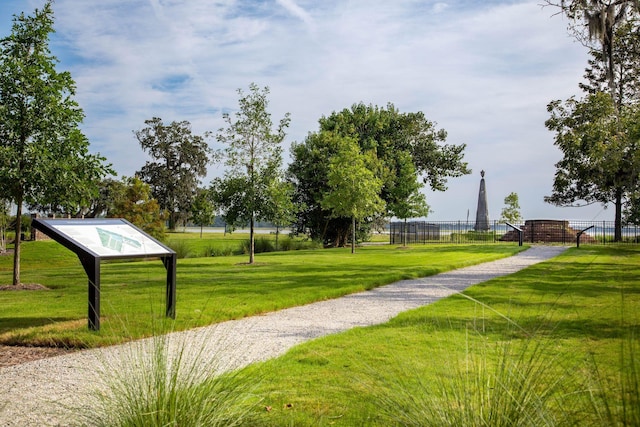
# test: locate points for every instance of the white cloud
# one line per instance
(292, 7)
(484, 71)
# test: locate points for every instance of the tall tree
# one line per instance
(354, 190)
(180, 160)
(253, 156)
(511, 211)
(601, 153)
(44, 158)
(386, 132)
(609, 28)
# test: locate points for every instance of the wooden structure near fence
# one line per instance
(547, 231)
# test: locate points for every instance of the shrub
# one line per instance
(262, 244)
(181, 248)
(289, 244)
(212, 250)
(473, 236)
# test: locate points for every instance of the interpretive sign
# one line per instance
(96, 239)
(109, 238)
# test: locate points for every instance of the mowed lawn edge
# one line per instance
(209, 290)
(562, 332)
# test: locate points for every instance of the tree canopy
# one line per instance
(511, 210)
(253, 156)
(44, 158)
(598, 21)
(281, 209)
(626, 70)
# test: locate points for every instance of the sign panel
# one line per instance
(109, 237)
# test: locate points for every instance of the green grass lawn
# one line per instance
(209, 290)
(554, 344)
(560, 336)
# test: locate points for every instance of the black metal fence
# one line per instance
(533, 231)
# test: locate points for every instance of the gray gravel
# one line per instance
(49, 392)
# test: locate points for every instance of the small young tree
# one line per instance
(511, 211)
(253, 157)
(282, 211)
(354, 189)
(136, 205)
(44, 158)
(406, 200)
(203, 211)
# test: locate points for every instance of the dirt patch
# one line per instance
(24, 287)
(14, 355)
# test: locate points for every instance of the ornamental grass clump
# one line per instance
(508, 384)
(171, 380)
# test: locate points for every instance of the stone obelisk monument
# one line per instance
(482, 214)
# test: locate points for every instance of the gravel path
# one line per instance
(37, 393)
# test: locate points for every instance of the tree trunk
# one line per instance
(353, 234)
(618, 221)
(277, 233)
(404, 233)
(16, 250)
(173, 221)
(252, 245)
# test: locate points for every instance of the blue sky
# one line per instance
(483, 71)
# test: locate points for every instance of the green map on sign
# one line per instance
(116, 241)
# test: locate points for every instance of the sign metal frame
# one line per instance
(95, 239)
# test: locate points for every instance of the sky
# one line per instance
(484, 71)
